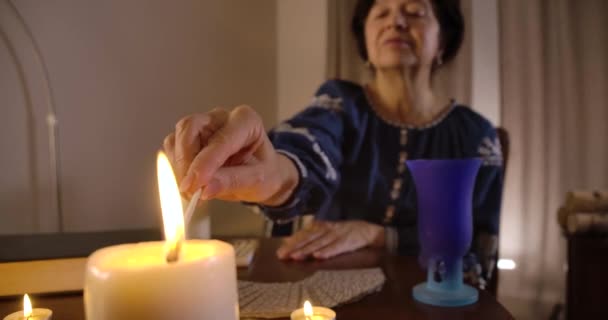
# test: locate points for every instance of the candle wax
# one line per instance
(134, 281)
(37, 314)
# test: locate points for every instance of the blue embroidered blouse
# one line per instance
(352, 162)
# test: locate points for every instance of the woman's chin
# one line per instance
(394, 61)
(396, 65)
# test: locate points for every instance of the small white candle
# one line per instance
(30, 314)
(313, 313)
(174, 279)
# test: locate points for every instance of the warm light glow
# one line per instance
(171, 205)
(506, 264)
(307, 309)
(27, 306)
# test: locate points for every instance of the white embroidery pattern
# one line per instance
(286, 127)
(295, 159)
(327, 102)
(491, 152)
(331, 171)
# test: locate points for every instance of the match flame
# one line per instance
(171, 205)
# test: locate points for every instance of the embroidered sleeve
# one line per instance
(313, 141)
(486, 209)
(490, 151)
(488, 187)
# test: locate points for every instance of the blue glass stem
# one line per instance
(450, 279)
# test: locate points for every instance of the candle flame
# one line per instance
(27, 306)
(171, 205)
(307, 309)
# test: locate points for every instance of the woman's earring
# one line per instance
(439, 60)
(368, 64)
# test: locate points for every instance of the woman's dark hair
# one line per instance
(449, 16)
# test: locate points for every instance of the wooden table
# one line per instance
(394, 301)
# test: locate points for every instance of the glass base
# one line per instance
(445, 298)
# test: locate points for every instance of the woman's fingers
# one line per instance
(323, 241)
(229, 156)
(333, 249)
(299, 240)
(191, 135)
(234, 180)
(169, 148)
(328, 239)
(241, 130)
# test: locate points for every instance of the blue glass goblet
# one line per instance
(444, 191)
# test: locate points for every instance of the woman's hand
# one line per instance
(325, 239)
(229, 155)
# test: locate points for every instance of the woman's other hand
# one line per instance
(325, 239)
(229, 155)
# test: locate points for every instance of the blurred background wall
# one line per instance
(121, 73)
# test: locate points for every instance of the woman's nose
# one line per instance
(399, 20)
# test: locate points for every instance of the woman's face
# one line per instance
(402, 33)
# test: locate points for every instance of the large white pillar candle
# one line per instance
(174, 279)
(134, 281)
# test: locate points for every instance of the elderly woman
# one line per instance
(343, 158)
